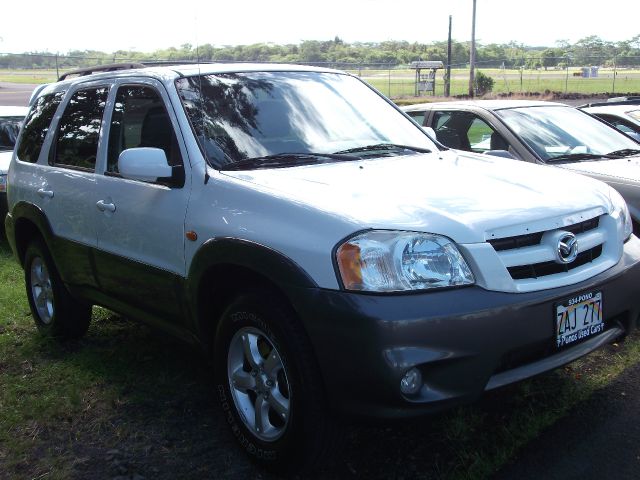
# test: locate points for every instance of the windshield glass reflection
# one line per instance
(239, 116)
(557, 131)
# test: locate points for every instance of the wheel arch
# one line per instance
(28, 222)
(225, 267)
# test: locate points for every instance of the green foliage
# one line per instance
(484, 83)
(591, 50)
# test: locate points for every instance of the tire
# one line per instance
(269, 386)
(55, 312)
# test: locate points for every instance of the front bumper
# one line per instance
(464, 341)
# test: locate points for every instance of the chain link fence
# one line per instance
(522, 75)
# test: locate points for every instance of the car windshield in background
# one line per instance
(9, 129)
(565, 133)
(274, 119)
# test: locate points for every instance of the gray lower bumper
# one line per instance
(464, 341)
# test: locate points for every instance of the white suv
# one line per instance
(312, 239)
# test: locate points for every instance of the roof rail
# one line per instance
(111, 67)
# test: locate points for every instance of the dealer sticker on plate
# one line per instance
(578, 318)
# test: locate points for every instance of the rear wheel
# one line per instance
(269, 386)
(54, 310)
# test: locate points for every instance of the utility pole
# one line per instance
(447, 83)
(472, 55)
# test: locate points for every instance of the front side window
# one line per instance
(619, 123)
(241, 118)
(140, 119)
(79, 130)
(417, 116)
(36, 126)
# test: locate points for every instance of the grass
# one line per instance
(398, 83)
(126, 400)
(28, 76)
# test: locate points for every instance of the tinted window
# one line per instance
(140, 120)
(620, 124)
(36, 126)
(79, 130)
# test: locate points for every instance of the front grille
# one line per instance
(549, 268)
(519, 241)
(530, 239)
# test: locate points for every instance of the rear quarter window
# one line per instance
(36, 126)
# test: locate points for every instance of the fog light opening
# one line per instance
(411, 383)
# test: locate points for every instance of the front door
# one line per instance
(140, 256)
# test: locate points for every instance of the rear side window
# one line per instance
(140, 119)
(36, 126)
(79, 130)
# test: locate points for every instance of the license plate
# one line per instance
(578, 318)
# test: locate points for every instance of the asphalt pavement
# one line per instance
(599, 440)
(15, 94)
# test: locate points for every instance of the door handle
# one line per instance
(45, 193)
(102, 206)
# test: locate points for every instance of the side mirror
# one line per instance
(430, 132)
(500, 153)
(144, 163)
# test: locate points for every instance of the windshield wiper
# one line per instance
(576, 157)
(283, 160)
(385, 147)
(625, 152)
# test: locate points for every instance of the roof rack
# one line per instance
(111, 67)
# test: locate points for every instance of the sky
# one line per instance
(112, 25)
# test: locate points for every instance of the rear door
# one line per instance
(67, 182)
(140, 256)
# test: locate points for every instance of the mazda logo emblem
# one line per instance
(567, 250)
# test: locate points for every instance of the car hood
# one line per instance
(5, 159)
(621, 168)
(464, 196)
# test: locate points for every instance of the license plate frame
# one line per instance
(578, 318)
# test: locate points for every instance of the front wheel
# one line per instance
(55, 312)
(269, 385)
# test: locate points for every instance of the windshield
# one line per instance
(564, 133)
(293, 117)
(9, 128)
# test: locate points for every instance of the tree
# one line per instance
(549, 58)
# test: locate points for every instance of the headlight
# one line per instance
(391, 261)
(621, 213)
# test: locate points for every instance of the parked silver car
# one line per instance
(539, 132)
(623, 115)
(10, 120)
